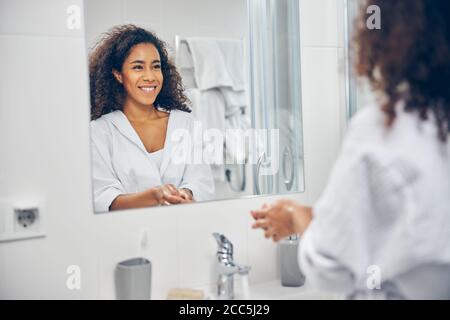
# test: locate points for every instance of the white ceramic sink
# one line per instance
(273, 290)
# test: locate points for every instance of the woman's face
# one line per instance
(141, 74)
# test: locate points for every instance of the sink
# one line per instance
(273, 290)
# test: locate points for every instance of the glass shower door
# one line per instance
(276, 95)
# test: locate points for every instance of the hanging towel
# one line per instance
(233, 52)
(219, 70)
(235, 101)
(218, 63)
(208, 107)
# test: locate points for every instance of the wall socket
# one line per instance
(21, 221)
(26, 219)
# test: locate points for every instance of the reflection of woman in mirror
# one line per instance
(381, 228)
(137, 104)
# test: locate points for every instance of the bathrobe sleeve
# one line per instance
(106, 185)
(363, 219)
(326, 246)
(198, 177)
(333, 251)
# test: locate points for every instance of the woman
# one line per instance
(382, 226)
(138, 110)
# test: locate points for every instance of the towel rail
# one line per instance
(178, 42)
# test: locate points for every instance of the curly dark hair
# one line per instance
(409, 57)
(109, 54)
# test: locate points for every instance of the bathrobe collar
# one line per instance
(123, 125)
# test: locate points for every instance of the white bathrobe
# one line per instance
(385, 213)
(122, 165)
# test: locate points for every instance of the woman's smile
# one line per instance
(148, 89)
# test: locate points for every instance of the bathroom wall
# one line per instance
(169, 17)
(44, 138)
(323, 84)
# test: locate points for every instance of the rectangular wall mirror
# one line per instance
(193, 101)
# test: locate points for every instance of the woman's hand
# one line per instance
(186, 194)
(164, 195)
(168, 194)
(282, 219)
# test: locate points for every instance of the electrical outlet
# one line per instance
(21, 220)
(26, 219)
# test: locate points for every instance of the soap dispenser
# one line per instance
(291, 275)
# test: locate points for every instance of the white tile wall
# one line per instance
(42, 92)
(340, 11)
(323, 88)
(49, 17)
(44, 117)
(161, 249)
(193, 18)
(147, 12)
(197, 243)
(105, 14)
(319, 21)
(321, 118)
(258, 251)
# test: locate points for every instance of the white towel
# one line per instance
(218, 63)
(234, 101)
(233, 53)
(208, 107)
(221, 93)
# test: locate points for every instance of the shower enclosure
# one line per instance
(276, 99)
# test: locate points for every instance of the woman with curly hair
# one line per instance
(381, 228)
(141, 128)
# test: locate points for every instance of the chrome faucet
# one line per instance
(226, 268)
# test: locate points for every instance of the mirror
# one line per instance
(229, 126)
